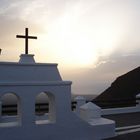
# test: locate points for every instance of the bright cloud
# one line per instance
(74, 33)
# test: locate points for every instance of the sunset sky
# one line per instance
(94, 41)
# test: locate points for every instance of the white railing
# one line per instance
(80, 101)
(121, 110)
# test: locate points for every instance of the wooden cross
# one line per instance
(26, 36)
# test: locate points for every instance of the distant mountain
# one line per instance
(122, 91)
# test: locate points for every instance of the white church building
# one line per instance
(26, 80)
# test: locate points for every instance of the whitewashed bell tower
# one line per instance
(26, 79)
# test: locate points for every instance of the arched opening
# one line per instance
(10, 110)
(45, 108)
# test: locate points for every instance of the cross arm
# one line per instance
(20, 36)
(29, 37)
(32, 37)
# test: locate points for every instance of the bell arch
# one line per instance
(45, 110)
(10, 109)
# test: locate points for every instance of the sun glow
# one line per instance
(72, 33)
(77, 43)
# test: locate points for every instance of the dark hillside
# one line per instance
(122, 91)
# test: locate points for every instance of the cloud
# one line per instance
(96, 80)
(15, 16)
(110, 27)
